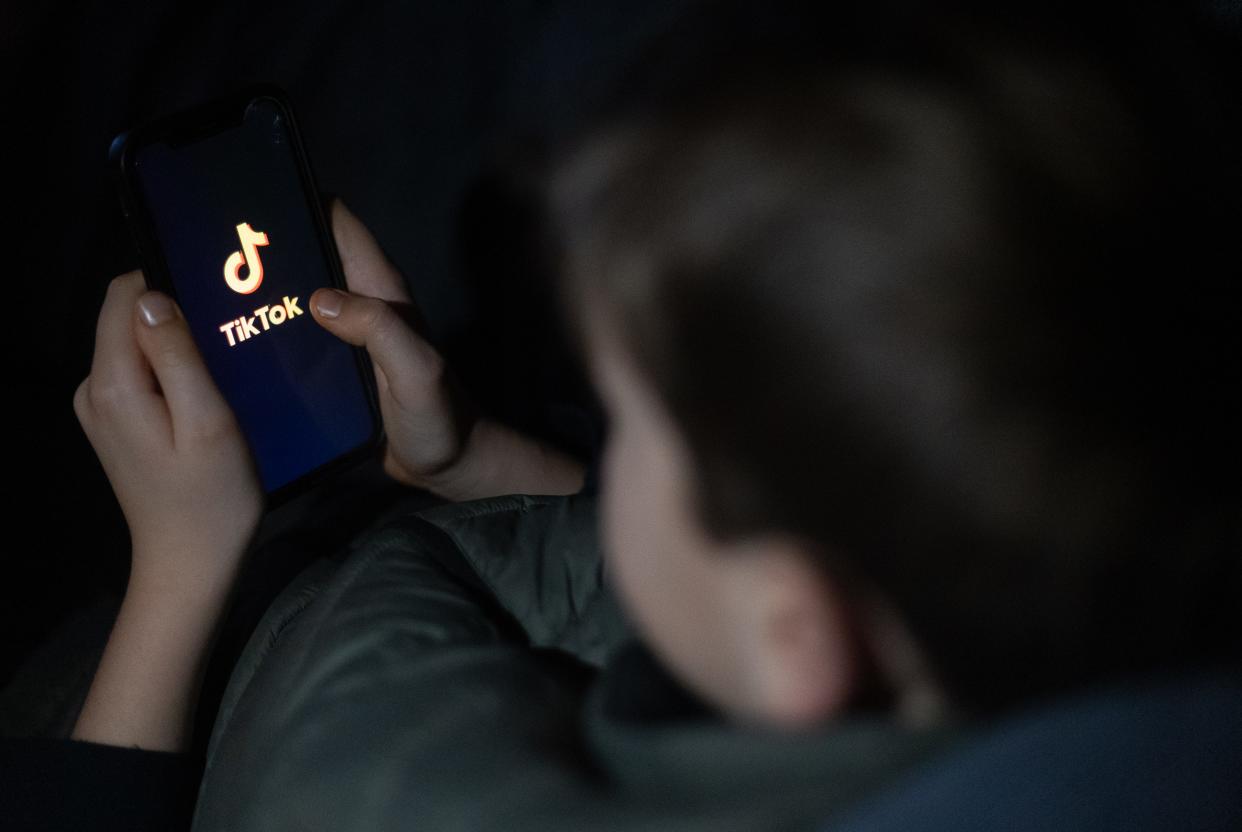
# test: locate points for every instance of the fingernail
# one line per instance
(329, 303)
(156, 308)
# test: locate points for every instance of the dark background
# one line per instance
(410, 113)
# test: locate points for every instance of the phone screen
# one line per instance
(241, 243)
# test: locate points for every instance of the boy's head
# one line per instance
(919, 361)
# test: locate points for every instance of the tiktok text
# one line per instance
(244, 328)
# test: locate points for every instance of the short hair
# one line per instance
(944, 293)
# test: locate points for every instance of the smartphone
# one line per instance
(227, 220)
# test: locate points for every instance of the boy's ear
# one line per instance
(803, 662)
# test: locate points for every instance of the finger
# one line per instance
(404, 362)
(119, 366)
(194, 401)
(367, 269)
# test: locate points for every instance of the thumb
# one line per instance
(367, 269)
(188, 387)
(405, 363)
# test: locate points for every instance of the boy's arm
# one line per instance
(146, 687)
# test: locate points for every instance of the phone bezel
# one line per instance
(206, 120)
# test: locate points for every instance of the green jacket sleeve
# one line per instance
(402, 691)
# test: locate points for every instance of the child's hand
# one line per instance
(169, 444)
(436, 439)
(426, 422)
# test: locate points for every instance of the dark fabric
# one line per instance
(44, 697)
(590, 484)
(58, 784)
(640, 690)
(1153, 755)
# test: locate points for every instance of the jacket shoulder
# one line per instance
(540, 558)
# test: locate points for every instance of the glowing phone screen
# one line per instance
(239, 239)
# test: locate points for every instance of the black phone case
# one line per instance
(202, 121)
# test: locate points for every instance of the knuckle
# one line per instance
(383, 325)
(170, 351)
(213, 427)
(81, 399)
(377, 316)
(108, 399)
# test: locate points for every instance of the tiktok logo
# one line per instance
(271, 315)
(249, 254)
